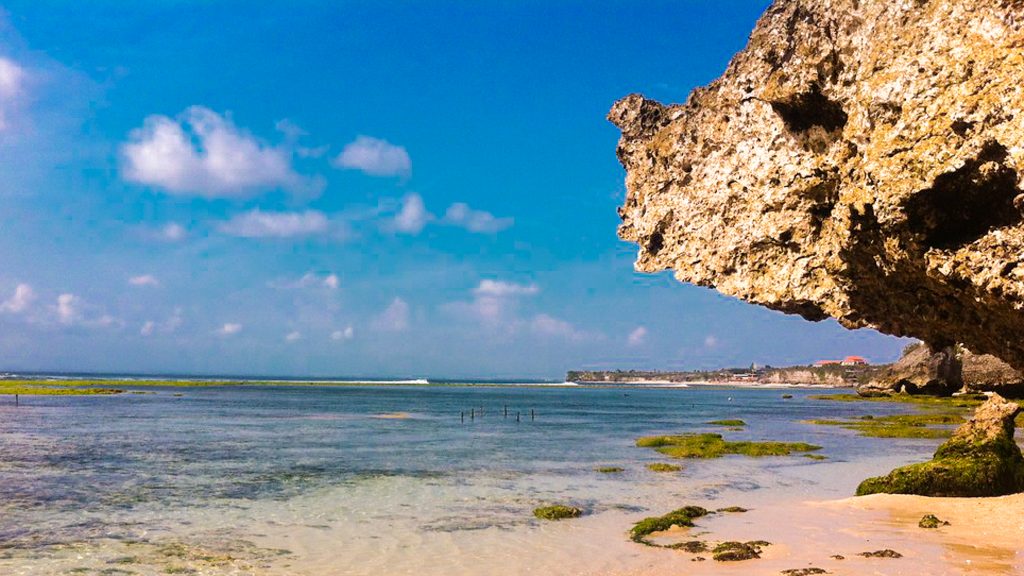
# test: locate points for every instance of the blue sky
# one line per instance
(351, 189)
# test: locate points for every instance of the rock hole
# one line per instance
(655, 243)
(964, 205)
(803, 111)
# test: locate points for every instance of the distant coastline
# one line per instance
(826, 376)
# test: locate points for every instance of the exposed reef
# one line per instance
(981, 459)
(857, 160)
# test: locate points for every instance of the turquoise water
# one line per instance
(265, 465)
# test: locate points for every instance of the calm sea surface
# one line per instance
(388, 479)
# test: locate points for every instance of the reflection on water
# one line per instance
(305, 468)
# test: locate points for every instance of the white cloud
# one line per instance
(293, 336)
(230, 329)
(499, 288)
(170, 325)
(308, 280)
(144, 280)
(12, 86)
(545, 325)
(412, 217)
(394, 318)
(68, 308)
(258, 224)
(202, 153)
(148, 328)
(637, 337)
(345, 334)
(478, 221)
(173, 232)
(494, 303)
(374, 157)
(710, 341)
(20, 301)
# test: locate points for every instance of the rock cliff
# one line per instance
(860, 159)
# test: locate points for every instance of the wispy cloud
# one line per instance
(202, 153)
(258, 224)
(637, 337)
(229, 329)
(293, 336)
(394, 318)
(347, 334)
(308, 280)
(20, 301)
(375, 157)
(477, 221)
(494, 304)
(149, 327)
(549, 326)
(144, 280)
(67, 308)
(12, 88)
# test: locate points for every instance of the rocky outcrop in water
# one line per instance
(919, 371)
(860, 159)
(981, 459)
(986, 373)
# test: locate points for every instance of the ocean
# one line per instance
(392, 479)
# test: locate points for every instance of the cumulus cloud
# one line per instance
(12, 87)
(259, 224)
(637, 337)
(20, 301)
(144, 280)
(494, 303)
(67, 308)
(394, 318)
(347, 334)
(229, 329)
(477, 221)
(375, 157)
(331, 281)
(202, 153)
(412, 216)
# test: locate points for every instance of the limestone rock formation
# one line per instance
(919, 371)
(860, 159)
(981, 459)
(986, 373)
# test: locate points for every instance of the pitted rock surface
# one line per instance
(860, 159)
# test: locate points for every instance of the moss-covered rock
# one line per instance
(557, 512)
(898, 425)
(804, 571)
(714, 446)
(692, 546)
(735, 551)
(663, 467)
(729, 422)
(609, 469)
(931, 521)
(981, 459)
(887, 553)
(683, 518)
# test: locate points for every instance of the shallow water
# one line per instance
(313, 480)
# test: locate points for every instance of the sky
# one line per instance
(352, 189)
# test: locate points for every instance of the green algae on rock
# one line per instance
(733, 422)
(714, 446)
(663, 467)
(736, 551)
(683, 518)
(981, 459)
(732, 510)
(557, 512)
(691, 546)
(931, 521)
(804, 571)
(887, 553)
(897, 426)
(609, 469)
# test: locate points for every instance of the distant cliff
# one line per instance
(831, 376)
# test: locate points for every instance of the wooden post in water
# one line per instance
(462, 417)
(472, 414)
(531, 414)
(15, 399)
(506, 410)
(517, 417)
